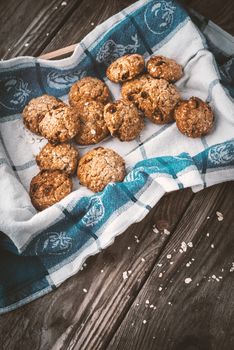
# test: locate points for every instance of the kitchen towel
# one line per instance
(40, 250)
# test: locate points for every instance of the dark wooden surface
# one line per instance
(153, 308)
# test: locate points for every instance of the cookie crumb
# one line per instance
(188, 280)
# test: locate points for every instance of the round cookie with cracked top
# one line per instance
(89, 89)
(58, 157)
(123, 120)
(99, 167)
(194, 117)
(125, 68)
(156, 98)
(36, 110)
(163, 67)
(93, 128)
(60, 124)
(49, 187)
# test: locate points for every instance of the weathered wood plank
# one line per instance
(221, 13)
(37, 30)
(71, 318)
(199, 314)
(88, 15)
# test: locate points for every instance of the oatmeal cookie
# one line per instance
(123, 120)
(60, 124)
(163, 67)
(89, 89)
(58, 157)
(156, 98)
(125, 68)
(49, 187)
(37, 108)
(99, 167)
(93, 128)
(194, 118)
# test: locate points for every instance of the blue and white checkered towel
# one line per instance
(38, 251)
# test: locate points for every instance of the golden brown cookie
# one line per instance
(58, 157)
(156, 98)
(93, 127)
(89, 89)
(37, 108)
(49, 187)
(194, 118)
(60, 124)
(125, 68)
(99, 167)
(163, 67)
(123, 120)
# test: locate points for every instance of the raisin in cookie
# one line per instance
(60, 124)
(125, 68)
(123, 120)
(163, 67)
(49, 187)
(37, 108)
(89, 89)
(58, 157)
(194, 118)
(93, 128)
(99, 167)
(156, 98)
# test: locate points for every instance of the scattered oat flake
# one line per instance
(125, 275)
(188, 280)
(219, 216)
(129, 272)
(169, 303)
(155, 230)
(159, 265)
(190, 244)
(85, 290)
(168, 256)
(147, 301)
(184, 246)
(151, 306)
(232, 267)
(144, 321)
(64, 3)
(212, 246)
(142, 259)
(26, 44)
(160, 289)
(160, 275)
(129, 248)
(171, 262)
(92, 24)
(208, 217)
(166, 232)
(102, 271)
(207, 234)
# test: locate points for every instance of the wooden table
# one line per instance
(153, 308)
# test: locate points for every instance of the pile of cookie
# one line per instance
(91, 116)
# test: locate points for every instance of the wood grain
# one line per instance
(68, 318)
(220, 12)
(198, 315)
(84, 19)
(39, 28)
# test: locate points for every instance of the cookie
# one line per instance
(49, 187)
(36, 109)
(125, 68)
(58, 157)
(123, 120)
(194, 118)
(89, 89)
(93, 128)
(163, 67)
(156, 98)
(60, 124)
(99, 167)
